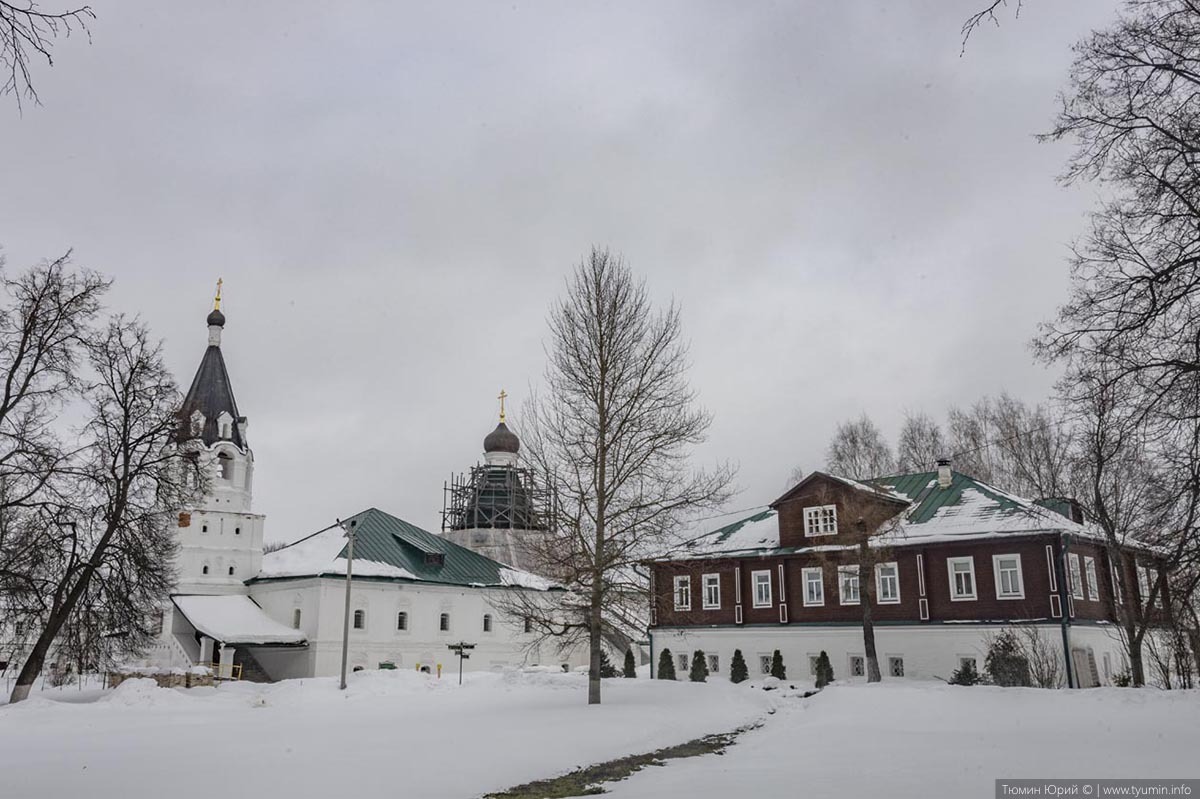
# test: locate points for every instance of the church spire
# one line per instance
(209, 411)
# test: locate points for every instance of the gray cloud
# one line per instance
(852, 216)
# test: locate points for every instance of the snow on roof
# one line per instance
(967, 509)
(320, 553)
(235, 619)
(521, 579)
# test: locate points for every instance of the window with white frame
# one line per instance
(896, 665)
(714, 664)
(764, 664)
(1009, 581)
(683, 593)
(402, 620)
(360, 619)
(683, 663)
(820, 520)
(1144, 584)
(487, 622)
(858, 666)
(848, 585)
(444, 622)
(962, 578)
(1093, 585)
(296, 619)
(1076, 576)
(762, 589)
(814, 587)
(887, 583)
(712, 591)
(1116, 583)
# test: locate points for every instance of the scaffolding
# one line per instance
(498, 497)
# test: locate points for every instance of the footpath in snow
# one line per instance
(391, 734)
(921, 740)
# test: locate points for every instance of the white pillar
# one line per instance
(206, 649)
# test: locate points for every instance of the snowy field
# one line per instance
(921, 740)
(396, 734)
(392, 734)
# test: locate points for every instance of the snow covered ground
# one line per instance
(402, 734)
(391, 734)
(908, 740)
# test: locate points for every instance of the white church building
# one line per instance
(282, 614)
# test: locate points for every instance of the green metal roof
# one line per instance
(380, 538)
(921, 488)
(722, 534)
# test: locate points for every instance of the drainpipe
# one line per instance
(651, 631)
(1064, 603)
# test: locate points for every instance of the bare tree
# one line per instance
(43, 327)
(1130, 110)
(920, 444)
(614, 430)
(859, 451)
(27, 33)
(107, 552)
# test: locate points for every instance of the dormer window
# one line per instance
(820, 520)
(226, 466)
(434, 559)
(225, 426)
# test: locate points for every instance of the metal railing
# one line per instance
(225, 671)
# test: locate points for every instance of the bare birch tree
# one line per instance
(614, 429)
(859, 451)
(920, 444)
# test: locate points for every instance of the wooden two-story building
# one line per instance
(951, 560)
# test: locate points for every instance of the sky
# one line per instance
(852, 213)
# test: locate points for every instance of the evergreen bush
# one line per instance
(1006, 663)
(666, 665)
(737, 668)
(824, 670)
(607, 669)
(965, 674)
(630, 669)
(778, 670)
(699, 671)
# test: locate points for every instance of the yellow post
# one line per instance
(439, 671)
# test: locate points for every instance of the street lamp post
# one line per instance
(346, 621)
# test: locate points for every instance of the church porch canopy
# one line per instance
(235, 619)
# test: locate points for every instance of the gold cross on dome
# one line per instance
(217, 299)
(503, 395)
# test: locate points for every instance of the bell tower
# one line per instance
(220, 540)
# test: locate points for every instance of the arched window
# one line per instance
(487, 622)
(296, 619)
(402, 620)
(360, 619)
(204, 528)
(528, 624)
(204, 570)
(226, 464)
(444, 623)
(230, 571)
(237, 531)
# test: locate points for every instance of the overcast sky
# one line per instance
(852, 216)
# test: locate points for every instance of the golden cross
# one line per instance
(217, 300)
(502, 396)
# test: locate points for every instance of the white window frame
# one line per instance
(712, 581)
(764, 663)
(820, 520)
(955, 596)
(806, 574)
(997, 570)
(1075, 576)
(759, 602)
(891, 660)
(852, 571)
(1145, 585)
(850, 656)
(683, 590)
(1093, 582)
(879, 567)
(714, 664)
(684, 662)
(359, 613)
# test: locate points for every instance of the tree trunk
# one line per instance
(32, 667)
(1137, 671)
(866, 596)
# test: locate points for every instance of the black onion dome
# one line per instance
(502, 440)
(216, 318)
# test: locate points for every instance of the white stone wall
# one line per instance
(322, 601)
(928, 651)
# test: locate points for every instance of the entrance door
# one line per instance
(1085, 668)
